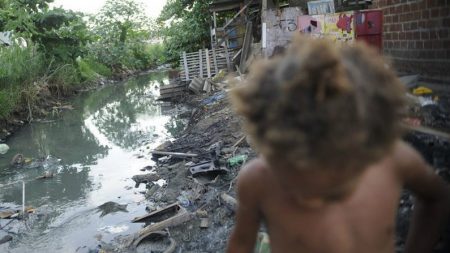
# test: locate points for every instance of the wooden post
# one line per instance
(186, 69)
(208, 63)
(246, 47)
(264, 27)
(227, 57)
(200, 58)
(215, 60)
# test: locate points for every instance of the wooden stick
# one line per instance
(156, 152)
(170, 222)
(428, 130)
(238, 142)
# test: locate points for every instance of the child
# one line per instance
(326, 122)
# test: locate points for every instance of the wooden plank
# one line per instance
(215, 60)
(185, 66)
(170, 86)
(227, 56)
(237, 14)
(246, 47)
(208, 63)
(168, 91)
(156, 152)
(201, 61)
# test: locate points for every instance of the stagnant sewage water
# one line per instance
(94, 150)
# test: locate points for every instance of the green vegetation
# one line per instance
(185, 26)
(58, 51)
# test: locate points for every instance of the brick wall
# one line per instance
(417, 36)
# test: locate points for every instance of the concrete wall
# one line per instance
(417, 36)
(281, 25)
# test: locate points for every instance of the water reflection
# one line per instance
(98, 143)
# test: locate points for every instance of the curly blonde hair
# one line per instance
(322, 106)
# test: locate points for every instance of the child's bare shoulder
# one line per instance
(408, 162)
(252, 177)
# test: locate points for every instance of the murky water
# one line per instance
(94, 150)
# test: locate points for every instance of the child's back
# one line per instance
(332, 164)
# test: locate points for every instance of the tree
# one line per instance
(122, 33)
(188, 28)
(119, 20)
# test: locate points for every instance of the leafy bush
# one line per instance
(98, 67)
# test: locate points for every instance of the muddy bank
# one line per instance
(215, 135)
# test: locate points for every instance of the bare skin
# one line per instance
(330, 211)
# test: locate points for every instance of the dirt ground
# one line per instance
(212, 132)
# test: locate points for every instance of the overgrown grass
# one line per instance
(25, 72)
(20, 69)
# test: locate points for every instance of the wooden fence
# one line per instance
(204, 63)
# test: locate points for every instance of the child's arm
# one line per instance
(248, 216)
(432, 201)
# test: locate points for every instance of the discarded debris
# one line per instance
(145, 178)
(214, 98)
(47, 175)
(229, 201)
(17, 160)
(156, 236)
(111, 207)
(204, 223)
(159, 215)
(206, 167)
(7, 214)
(239, 141)
(196, 85)
(237, 160)
(422, 91)
(3, 149)
(409, 81)
(173, 154)
(181, 217)
(5, 239)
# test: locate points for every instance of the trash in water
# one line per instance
(3, 149)
(114, 229)
(111, 207)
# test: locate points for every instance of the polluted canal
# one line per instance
(77, 168)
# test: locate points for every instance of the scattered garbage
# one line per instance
(229, 201)
(421, 90)
(237, 160)
(206, 167)
(204, 223)
(17, 160)
(184, 201)
(196, 85)
(214, 98)
(47, 175)
(160, 214)
(6, 239)
(410, 81)
(181, 216)
(262, 243)
(111, 207)
(145, 178)
(3, 149)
